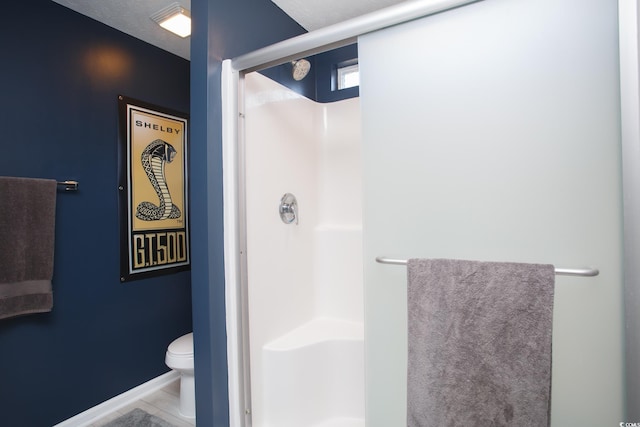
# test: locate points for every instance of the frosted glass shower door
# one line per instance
(491, 132)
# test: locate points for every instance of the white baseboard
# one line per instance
(120, 401)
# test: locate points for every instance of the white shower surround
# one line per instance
(337, 35)
(305, 281)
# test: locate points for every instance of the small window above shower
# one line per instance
(347, 75)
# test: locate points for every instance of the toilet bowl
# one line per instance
(180, 358)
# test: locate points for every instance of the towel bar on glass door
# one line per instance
(584, 272)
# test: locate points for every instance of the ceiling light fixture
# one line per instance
(174, 18)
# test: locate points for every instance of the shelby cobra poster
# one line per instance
(153, 190)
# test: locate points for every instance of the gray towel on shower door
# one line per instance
(479, 343)
(27, 228)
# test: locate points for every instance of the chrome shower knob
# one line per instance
(289, 209)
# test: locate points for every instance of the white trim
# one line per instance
(231, 245)
(92, 415)
(343, 33)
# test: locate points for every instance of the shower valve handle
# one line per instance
(289, 209)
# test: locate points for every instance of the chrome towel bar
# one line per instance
(69, 185)
(583, 272)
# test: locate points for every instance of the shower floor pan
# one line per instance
(314, 375)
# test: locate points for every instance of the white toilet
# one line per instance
(180, 357)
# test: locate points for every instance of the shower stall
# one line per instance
(476, 135)
(304, 261)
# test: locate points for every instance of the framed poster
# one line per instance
(153, 190)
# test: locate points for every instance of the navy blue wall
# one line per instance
(221, 29)
(61, 74)
(283, 74)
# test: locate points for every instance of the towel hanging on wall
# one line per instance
(27, 231)
(479, 343)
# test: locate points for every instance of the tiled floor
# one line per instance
(162, 403)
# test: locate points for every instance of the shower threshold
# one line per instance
(341, 422)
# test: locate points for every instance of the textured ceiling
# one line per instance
(132, 16)
(316, 14)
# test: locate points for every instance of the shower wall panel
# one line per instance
(338, 242)
(281, 149)
(304, 280)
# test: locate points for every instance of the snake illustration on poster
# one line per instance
(152, 190)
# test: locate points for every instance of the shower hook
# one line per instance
(289, 209)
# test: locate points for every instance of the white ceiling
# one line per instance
(132, 16)
(316, 14)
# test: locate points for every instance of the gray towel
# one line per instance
(479, 343)
(27, 225)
